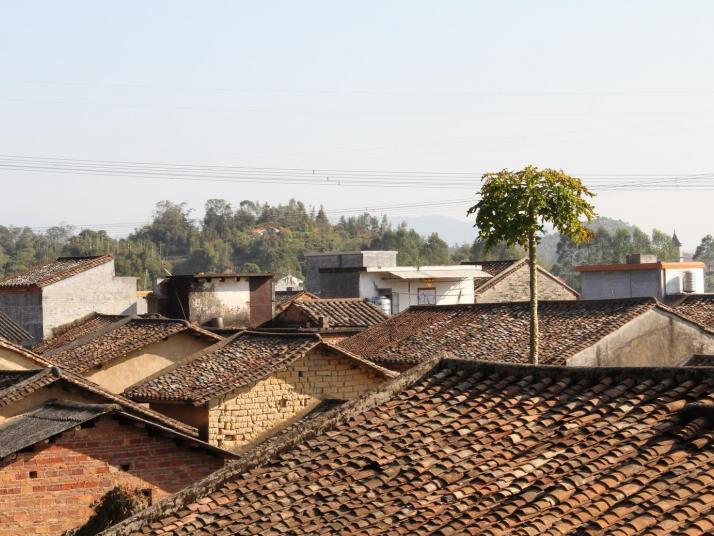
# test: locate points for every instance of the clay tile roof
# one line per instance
(12, 331)
(494, 268)
(52, 272)
(341, 312)
(698, 307)
(17, 349)
(76, 330)
(494, 331)
(17, 385)
(285, 298)
(459, 447)
(118, 340)
(699, 360)
(238, 361)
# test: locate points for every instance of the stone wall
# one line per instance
(51, 489)
(516, 288)
(244, 415)
(94, 290)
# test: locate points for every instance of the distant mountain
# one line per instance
(451, 230)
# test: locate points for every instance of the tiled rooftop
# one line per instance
(698, 307)
(493, 331)
(493, 268)
(52, 272)
(12, 331)
(120, 339)
(242, 359)
(18, 385)
(76, 330)
(340, 312)
(462, 447)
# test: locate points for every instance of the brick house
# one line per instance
(57, 459)
(510, 282)
(53, 294)
(24, 390)
(334, 319)
(117, 352)
(253, 384)
(627, 332)
(463, 447)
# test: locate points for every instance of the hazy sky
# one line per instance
(610, 88)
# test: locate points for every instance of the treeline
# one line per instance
(255, 237)
(251, 237)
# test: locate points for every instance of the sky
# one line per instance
(394, 106)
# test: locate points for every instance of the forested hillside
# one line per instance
(261, 237)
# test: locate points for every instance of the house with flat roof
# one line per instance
(464, 447)
(253, 384)
(627, 332)
(375, 275)
(233, 300)
(53, 294)
(641, 276)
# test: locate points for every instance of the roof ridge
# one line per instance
(89, 336)
(25, 352)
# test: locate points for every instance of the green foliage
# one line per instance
(705, 254)
(249, 238)
(515, 205)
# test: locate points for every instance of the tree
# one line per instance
(705, 254)
(516, 205)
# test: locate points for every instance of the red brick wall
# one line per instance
(84, 464)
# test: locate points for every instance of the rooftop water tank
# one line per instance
(689, 281)
(384, 303)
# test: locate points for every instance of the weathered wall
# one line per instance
(12, 360)
(516, 288)
(620, 284)
(214, 298)
(246, 414)
(120, 374)
(196, 416)
(51, 489)
(328, 286)
(339, 284)
(94, 290)
(25, 308)
(52, 392)
(653, 339)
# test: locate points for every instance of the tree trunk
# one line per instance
(535, 336)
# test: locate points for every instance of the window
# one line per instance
(426, 296)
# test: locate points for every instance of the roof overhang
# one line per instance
(641, 266)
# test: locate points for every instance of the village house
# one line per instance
(698, 307)
(282, 301)
(117, 352)
(53, 294)
(12, 331)
(642, 275)
(627, 332)
(334, 319)
(375, 275)
(510, 282)
(289, 283)
(464, 447)
(57, 459)
(236, 300)
(251, 385)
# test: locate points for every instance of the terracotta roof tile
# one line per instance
(52, 272)
(76, 330)
(493, 268)
(338, 312)
(698, 307)
(12, 331)
(237, 361)
(494, 331)
(118, 340)
(460, 447)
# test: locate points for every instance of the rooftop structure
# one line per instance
(459, 447)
